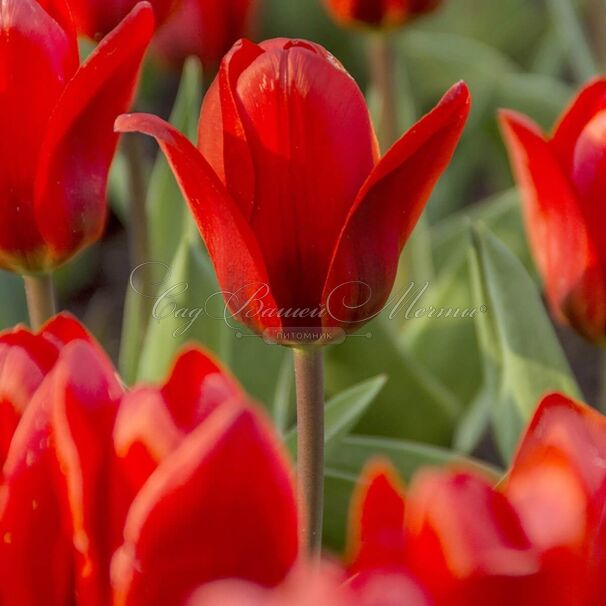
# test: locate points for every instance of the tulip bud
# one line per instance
(58, 141)
(204, 28)
(378, 13)
(562, 182)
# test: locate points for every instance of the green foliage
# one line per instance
(522, 358)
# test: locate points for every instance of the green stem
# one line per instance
(309, 379)
(40, 295)
(382, 71)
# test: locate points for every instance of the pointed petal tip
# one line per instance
(145, 12)
(513, 123)
(458, 94)
(147, 124)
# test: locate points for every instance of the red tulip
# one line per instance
(177, 485)
(379, 13)
(56, 121)
(561, 178)
(205, 29)
(558, 486)
(96, 18)
(303, 220)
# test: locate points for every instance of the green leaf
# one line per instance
(167, 215)
(432, 341)
(523, 359)
(414, 403)
(167, 211)
(342, 412)
(183, 313)
(354, 452)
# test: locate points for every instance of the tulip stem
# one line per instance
(40, 295)
(309, 380)
(382, 69)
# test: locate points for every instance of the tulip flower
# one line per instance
(204, 28)
(558, 486)
(57, 129)
(561, 179)
(139, 498)
(96, 18)
(378, 13)
(303, 220)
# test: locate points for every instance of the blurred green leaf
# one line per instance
(353, 453)
(522, 357)
(167, 214)
(342, 412)
(567, 25)
(414, 404)
(183, 312)
(338, 490)
(13, 308)
(167, 211)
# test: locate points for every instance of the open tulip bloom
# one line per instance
(562, 181)
(302, 218)
(57, 116)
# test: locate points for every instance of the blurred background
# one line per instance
(452, 386)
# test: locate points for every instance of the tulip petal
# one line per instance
(574, 429)
(466, 542)
(583, 108)
(196, 387)
(377, 538)
(222, 137)
(85, 396)
(365, 258)
(145, 433)
(152, 423)
(312, 145)
(79, 145)
(24, 361)
(219, 222)
(589, 177)
(556, 225)
(221, 506)
(63, 329)
(30, 40)
(34, 542)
